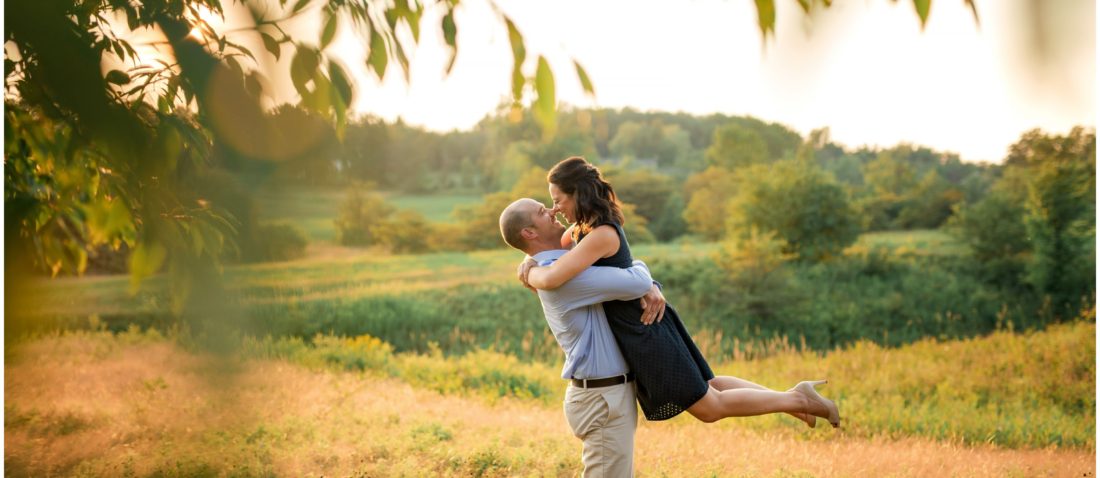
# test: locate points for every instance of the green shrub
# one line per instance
(483, 372)
(359, 215)
(277, 242)
(407, 232)
(804, 207)
(359, 353)
(880, 295)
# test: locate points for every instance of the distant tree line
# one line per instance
(704, 175)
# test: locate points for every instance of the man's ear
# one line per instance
(528, 234)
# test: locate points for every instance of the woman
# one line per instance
(672, 375)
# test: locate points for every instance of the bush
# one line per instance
(805, 208)
(886, 296)
(709, 195)
(359, 216)
(276, 242)
(755, 267)
(994, 229)
(358, 353)
(408, 232)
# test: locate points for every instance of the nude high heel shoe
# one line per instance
(807, 389)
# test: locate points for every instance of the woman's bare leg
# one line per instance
(747, 402)
(726, 382)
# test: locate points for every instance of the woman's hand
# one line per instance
(653, 305)
(524, 269)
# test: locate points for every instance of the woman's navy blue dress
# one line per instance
(670, 372)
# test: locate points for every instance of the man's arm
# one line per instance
(598, 284)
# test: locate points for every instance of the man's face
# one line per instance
(545, 224)
(563, 203)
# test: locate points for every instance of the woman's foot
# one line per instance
(816, 405)
(811, 421)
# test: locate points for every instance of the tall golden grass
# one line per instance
(138, 404)
(92, 404)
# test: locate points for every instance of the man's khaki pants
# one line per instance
(604, 418)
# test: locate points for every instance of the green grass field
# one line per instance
(349, 278)
(435, 208)
(452, 299)
(315, 209)
(923, 241)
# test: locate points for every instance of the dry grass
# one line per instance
(93, 405)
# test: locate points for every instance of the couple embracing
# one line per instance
(622, 343)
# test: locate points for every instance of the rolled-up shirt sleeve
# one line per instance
(600, 284)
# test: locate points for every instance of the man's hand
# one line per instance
(524, 269)
(653, 305)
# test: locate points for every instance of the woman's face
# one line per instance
(563, 203)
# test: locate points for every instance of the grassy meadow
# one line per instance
(350, 363)
(315, 210)
(140, 404)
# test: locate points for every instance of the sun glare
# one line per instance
(206, 21)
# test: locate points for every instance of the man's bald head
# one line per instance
(515, 218)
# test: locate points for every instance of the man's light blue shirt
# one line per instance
(577, 319)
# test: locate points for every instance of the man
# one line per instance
(600, 400)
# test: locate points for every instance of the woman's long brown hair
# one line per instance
(595, 200)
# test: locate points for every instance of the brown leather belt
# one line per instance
(602, 382)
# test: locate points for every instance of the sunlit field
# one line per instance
(356, 273)
(315, 209)
(462, 378)
(140, 404)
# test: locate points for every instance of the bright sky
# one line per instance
(862, 68)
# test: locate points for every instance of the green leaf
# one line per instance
(806, 5)
(392, 16)
(321, 98)
(449, 33)
(519, 55)
(340, 108)
(144, 262)
(271, 45)
(302, 69)
(411, 17)
(172, 89)
(329, 31)
(518, 82)
(118, 77)
(765, 13)
(253, 86)
(299, 6)
(378, 57)
(586, 83)
(546, 104)
(197, 242)
(922, 7)
(242, 49)
(340, 82)
(401, 59)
